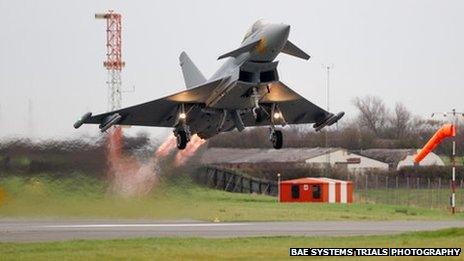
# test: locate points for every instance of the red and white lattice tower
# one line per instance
(113, 63)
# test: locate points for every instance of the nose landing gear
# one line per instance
(275, 135)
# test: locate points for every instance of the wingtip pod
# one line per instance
(329, 121)
(81, 121)
(446, 131)
(336, 118)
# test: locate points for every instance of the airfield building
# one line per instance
(398, 158)
(316, 190)
(290, 158)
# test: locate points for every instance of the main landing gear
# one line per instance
(182, 139)
(276, 138)
(182, 131)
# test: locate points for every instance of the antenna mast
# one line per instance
(113, 63)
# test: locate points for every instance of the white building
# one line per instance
(431, 159)
(353, 162)
(291, 157)
(398, 158)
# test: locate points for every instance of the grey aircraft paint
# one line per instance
(245, 91)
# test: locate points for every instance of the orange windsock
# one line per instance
(446, 131)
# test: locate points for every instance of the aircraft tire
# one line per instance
(277, 139)
(181, 139)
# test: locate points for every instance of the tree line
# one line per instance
(374, 125)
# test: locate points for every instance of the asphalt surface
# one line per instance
(34, 230)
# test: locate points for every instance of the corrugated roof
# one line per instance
(391, 156)
(288, 155)
(312, 181)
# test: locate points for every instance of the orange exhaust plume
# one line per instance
(130, 176)
(114, 147)
(166, 147)
(446, 131)
(183, 156)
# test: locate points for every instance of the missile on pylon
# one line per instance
(110, 121)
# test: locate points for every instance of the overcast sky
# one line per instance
(51, 53)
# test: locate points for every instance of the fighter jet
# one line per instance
(244, 92)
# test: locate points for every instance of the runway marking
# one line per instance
(145, 225)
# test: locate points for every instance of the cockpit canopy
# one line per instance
(255, 27)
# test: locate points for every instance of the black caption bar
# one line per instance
(374, 251)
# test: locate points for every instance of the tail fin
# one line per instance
(192, 76)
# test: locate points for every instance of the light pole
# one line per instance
(278, 187)
(455, 116)
(327, 68)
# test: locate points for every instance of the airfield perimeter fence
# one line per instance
(426, 192)
(234, 181)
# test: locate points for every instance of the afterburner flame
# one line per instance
(114, 145)
(183, 156)
(166, 147)
(130, 176)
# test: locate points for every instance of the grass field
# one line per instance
(179, 198)
(425, 198)
(213, 249)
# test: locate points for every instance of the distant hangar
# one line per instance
(399, 158)
(290, 158)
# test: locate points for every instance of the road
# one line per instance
(37, 230)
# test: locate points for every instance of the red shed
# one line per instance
(316, 190)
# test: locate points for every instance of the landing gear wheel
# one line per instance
(277, 139)
(181, 139)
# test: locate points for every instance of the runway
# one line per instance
(38, 230)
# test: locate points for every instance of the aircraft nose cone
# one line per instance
(283, 30)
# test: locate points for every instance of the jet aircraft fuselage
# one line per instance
(245, 91)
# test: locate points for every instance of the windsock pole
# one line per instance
(455, 114)
(453, 161)
(446, 131)
(453, 181)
